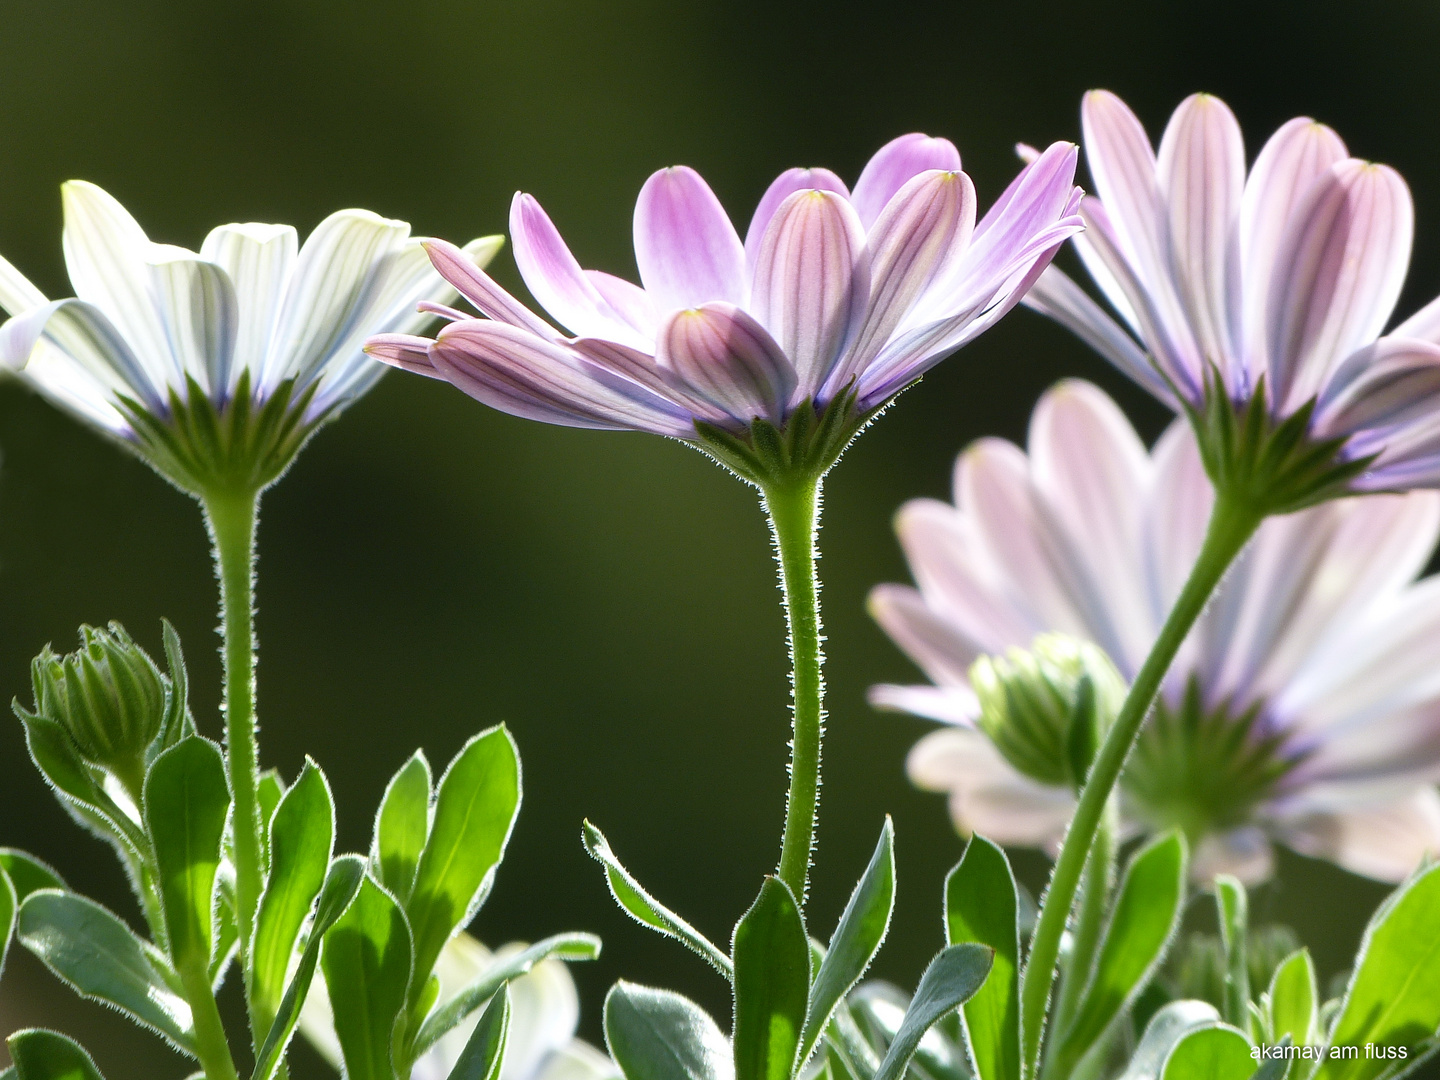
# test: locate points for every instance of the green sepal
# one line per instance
(771, 953)
(47, 1055)
(802, 450)
(93, 952)
(484, 1052)
(982, 906)
(857, 938)
(1082, 740)
(950, 980)
(402, 826)
(571, 947)
(1216, 1052)
(645, 909)
(367, 960)
(660, 1035)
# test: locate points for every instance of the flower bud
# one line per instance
(108, 696)
(1046, 708)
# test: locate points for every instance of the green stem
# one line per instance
(1095, 888)
(794, 510)
(1232, 523)
(211, 1045)
(231, 516)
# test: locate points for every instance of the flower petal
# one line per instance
(1201, 170)
(1244, 853)
(519, 373)
(894, 165)
(721, 353)
(1337, 275)
(1386, 841)
(471, 282)
(1291, 161)
(948, 704)
(685, 246)
(17, 294)
(938, 647)
(811, 281)
(259, 260)
(632, 304)
(783, 186)
(200, 312)
(405, 351)
(1385, 385)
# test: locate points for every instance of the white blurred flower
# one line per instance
(544, 1011)
(1304, 707)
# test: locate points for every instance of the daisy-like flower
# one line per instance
(217, 365)
(1304, 707)
(833, 296)
(1264, 292)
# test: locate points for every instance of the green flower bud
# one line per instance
(108, 696)
(1046, 708)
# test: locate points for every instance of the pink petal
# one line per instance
(686, 248)
(810, 284)
(938, 647)
(481, 290)
(1288, 164)
(948, 704)
(721, 353)
(1393, 382)
(894, 165)
(631, 303)
(1337, 275)
(632, 365)
(555, 278)
(1201, 171)
(1386, 841)
(525, 375)
(785, 185)
(404, 351)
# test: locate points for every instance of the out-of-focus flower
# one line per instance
(544, 1012)
(1304, 706)
(833, 296)
(1269, 289)
(263, 334)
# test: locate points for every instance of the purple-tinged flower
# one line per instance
(833, 296)
(1267, 290)
(1304, 707)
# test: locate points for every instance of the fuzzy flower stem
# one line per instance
(1232, 523)
(793, 506)
(231, 515)
(1095, 888)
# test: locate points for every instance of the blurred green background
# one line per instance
(430, 567)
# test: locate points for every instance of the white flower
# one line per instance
(1304, 707)
(544, 1011)
(251, 313)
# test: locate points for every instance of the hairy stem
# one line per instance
(1231, 525)
(794, 510)
(1095, 886)
(211, 1045)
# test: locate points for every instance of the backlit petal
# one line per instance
(685, 246)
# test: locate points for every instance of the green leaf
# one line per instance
(8, 905)
(659, 1035)
(1146, 913)
(475, 810)
(1394, 996)
(856, 940)
(302, 835)
(269, 791)
(981, 905)
(645, 909)
(178, 723)
(402, 826)
(186, 803)
(100, 958)
(471, 997)
(27, 873)
(1219, 1052)
(367, 963)
(342, 883)
(484, 1051)
(951, 980)
(1168, 1026)
(54, 755)
(1294, 1000)
(1233, 909)
(1276, 1067)
(772, 985)
(47, 1055)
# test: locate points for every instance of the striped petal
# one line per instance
(1337, 275)
(811, 281)
(894, 165)
(17, 294)
(471, 282)
(259, 260)
(685, 246)
(404, 351)
(938, 647)
(200, 311)
(783, 186)
(721, 353)
(1386, 385)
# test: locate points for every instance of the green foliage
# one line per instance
(1215, 1052)
(1293, 1002)
(982, 906)
(1234, 913)
(484, 1051)
(367, 961)
(47, 1055)
(27, 873)
(9, 902)
(659, 1035)
(952, 979)
(402, 826)
(771, 953)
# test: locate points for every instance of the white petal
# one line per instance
(1385, 841)
(17, 294)
(937, 646)
(1244, 853)
(198, 304)
(259, 260)
(948, 704)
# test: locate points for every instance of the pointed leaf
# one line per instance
(342, 883)
(981, 905)
(367, 963)
(47, 1055)
(99, 957)
(484, 1052)
(402, 825)
(302, 835)
(772, 985)
(27, 873)
(951, 980)
(645, 909)
(1294, 1000)
(658, 1035)
(856, 940)
(186, 803)
(560, 947)
(1211, 1053)
(475, 810)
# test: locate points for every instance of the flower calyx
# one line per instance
(800, 450)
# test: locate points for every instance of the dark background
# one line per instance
(430, 567)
